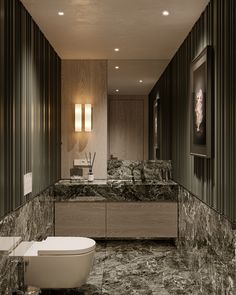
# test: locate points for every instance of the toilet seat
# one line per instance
(53, 246)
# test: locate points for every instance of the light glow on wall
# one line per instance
(78, 117)
(88, 117)
(83, 117)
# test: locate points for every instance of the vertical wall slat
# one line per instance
(2, 115)
(29, 97)
(212, 180)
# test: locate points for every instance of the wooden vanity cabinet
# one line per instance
(116, 219)
(85, 219)
(142, 220)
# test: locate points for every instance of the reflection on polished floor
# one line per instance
(152, 267)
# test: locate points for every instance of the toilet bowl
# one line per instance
(59, 262)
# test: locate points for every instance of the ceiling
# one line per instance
(126, 78)
(91, 29)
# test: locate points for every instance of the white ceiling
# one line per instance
(127, 77)
(91, 29)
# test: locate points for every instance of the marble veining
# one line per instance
(205, 235)
(117, 191)
(143, 171)
(151, 268)
(127, 181)
(33, 221)
(202, 227)
(203, 262)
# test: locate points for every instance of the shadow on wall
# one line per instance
(199, 169)
(78, 142)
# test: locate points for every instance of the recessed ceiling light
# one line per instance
(165, 12)
(140, 81)
(60, 13)
(116, 49)
(117, 90)
(117, 67)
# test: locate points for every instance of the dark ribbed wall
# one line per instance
(1, 111)
(163, 92)
(213, 180)
(29, 106)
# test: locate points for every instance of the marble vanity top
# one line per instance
(112, 182)
(115, 190)
(127, 181)
(137, 182)
(72, 182)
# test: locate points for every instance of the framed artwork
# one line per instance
(201, 104)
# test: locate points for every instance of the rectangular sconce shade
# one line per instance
(88, 117)
(83, 117)
(78, 117)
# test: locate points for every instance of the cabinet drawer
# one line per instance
(143, 219)
(80, 219)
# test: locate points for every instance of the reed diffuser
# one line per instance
(90, 160)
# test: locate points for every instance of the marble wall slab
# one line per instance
(200, 226)
(205, 236)
(144, 171)
(33, 221)
(206, 241)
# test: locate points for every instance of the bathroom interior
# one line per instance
(117, 169)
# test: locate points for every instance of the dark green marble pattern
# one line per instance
(139, 170)
(32, 221)
(152, 268)
(201, 227)
(117, 191)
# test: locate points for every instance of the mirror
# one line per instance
(129, 84)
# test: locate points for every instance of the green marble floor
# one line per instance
(153, 268)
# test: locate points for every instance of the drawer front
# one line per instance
(80, 219)
(142, 220)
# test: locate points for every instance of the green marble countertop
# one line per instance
(102, 190)
(104, 182)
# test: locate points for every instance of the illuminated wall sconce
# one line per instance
(88, 117)
(83, 117)
(78, 117)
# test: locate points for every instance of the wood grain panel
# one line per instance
(84, 81)
(144, 99)
(126, 129)
(85, 219)
(133, 220)
(212, 180)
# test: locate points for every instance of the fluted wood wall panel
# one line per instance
(212, 180)
(30, 106)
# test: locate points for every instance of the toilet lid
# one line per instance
(66, 246)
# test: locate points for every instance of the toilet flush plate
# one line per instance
(7, 244)
(27, 183)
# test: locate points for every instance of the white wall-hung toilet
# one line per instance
(59, 262)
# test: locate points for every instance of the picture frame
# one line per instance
(201, 135)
